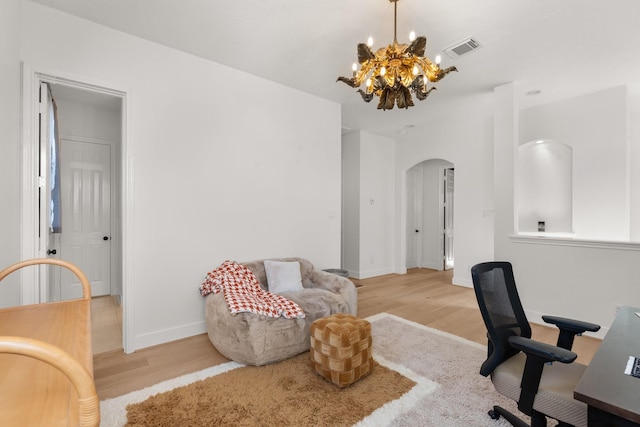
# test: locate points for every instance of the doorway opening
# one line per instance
(429, 221)
(75, 131)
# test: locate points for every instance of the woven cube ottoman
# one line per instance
(341, 348)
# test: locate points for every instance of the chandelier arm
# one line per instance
(351, 81)
(366, 97)
(430, 69)
(442, 73)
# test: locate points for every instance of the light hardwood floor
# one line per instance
(106, 324)
(422, 295)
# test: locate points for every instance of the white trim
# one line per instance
(44, 108)
(170, 334)
(400, 223)
(464, 281)
(400, 270)
(29, 212)
(127, 222)
(371, 273)
(582, 243)
(432, 266)
(442, 180)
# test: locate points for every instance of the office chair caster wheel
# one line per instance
(494, 414)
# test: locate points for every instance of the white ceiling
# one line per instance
(561, 47)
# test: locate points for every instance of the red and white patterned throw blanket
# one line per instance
(242, 292)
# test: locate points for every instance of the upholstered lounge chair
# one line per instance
(258, 340)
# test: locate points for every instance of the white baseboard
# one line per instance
(432, 265)
(467, 282)
(168, 335)
(370, 273)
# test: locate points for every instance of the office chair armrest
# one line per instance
(547, 352)
(537, 355)
(569, 328)
(572, 325)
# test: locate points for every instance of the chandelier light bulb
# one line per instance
(438, 59)
(354, 67)
(368, 83)
(370, 41)
(415, 70)
(412, 36)
(383, 71)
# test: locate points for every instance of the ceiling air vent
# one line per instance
(462, 48)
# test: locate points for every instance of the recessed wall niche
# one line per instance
(545, 169)
(596, 126)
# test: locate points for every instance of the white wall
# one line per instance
(634, 160)
(583, 280)
(505, 128)
(376, 205)
(10, 148)
(595, 126)
(87, 121)
(368, 193)
(351, 203)
(225, 165)
(210, 183)
(545, 187)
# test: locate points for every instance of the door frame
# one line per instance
(29, 235)
(444, 207)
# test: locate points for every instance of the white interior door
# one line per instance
(86, 215)
(414, 203)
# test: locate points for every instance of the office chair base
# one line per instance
(498, 411)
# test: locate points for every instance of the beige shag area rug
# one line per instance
(288, 393)
(422, 377)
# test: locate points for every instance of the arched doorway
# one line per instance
(429, 215)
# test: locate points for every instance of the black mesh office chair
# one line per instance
(518, 365)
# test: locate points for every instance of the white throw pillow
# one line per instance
(283, 276)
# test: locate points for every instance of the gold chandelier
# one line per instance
(393, 72)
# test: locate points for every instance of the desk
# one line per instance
(612, 396)
(46, 362)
